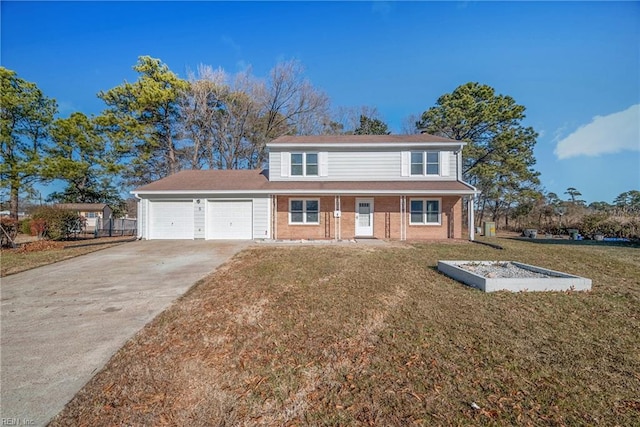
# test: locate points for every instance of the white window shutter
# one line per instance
(406, 159)
(323, 159)
(285, 161)
(445, 163)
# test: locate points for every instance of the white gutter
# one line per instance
(309, 191)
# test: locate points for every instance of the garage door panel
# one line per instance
(171, 220)
(230, 219)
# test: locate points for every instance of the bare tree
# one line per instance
(349, 118)
(231, 118)
(409, 125)
(289, 105)
(199, 107)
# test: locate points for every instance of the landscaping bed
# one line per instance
(491, 276)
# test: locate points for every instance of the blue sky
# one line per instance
(575, 66)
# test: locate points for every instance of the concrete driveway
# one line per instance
(61, 323)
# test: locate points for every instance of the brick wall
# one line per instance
(324, 230)
(386, 219)
(451, 222)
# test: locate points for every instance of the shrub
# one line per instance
(610, 226)
(55, 223)
(9, 231)
(38, 226)
(25, 226)
(592, 224)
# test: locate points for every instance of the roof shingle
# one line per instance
(255, 180)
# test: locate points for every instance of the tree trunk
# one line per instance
(13, 204)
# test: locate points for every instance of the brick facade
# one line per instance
(386, 219)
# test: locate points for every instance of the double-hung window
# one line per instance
(304, 211)
(304, 164)
(425, 211)
(425, 163)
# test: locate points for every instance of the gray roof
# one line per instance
(256, 180)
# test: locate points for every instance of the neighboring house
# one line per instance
(8, 213)
(90, 211)
(319, 187)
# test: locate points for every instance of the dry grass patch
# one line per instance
(346, 336)
(38, 253)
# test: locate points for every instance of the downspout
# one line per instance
(470, 200)
(471, 219)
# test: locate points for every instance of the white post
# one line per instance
(403, 219)
(340, 218)
(472, 226)
(275, 216)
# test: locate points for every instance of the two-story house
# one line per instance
(319, 187)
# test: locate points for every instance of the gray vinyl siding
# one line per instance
(361, 165)
(364, 165)
(261, 217)
(199, 219)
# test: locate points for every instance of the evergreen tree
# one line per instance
(25, 116)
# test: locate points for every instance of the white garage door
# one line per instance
(171, 220)
(230, 219)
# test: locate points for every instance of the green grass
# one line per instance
(376, 336)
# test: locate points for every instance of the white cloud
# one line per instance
(605, 134)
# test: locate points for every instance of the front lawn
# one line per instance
(358, 335)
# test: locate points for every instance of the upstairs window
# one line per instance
(433, 162)
(425, 163)
(297, 164)
(417, 162)
(304, 164)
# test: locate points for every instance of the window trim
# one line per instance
(424, 201)
(304, 163)
(424, 163)
(304, 211)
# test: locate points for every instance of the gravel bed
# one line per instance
(502, 270)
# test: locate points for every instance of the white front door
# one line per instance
(364, 217)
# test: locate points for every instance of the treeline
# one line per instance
(549, 213)
(162, 123)
(158, 125)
